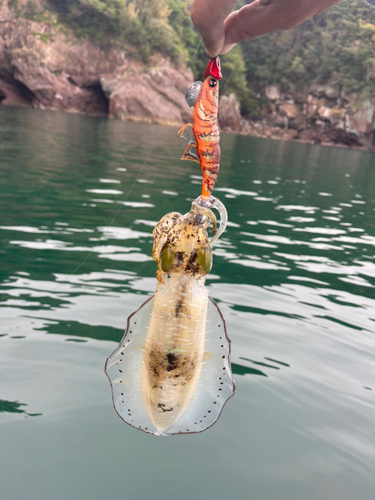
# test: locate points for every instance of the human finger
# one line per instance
(208, 18)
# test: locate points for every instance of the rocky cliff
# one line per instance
(45, 66)
(322, 114)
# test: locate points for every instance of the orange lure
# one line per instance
(203, 143)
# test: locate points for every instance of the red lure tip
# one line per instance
(214, 69)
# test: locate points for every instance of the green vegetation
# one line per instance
(337, 46)
(141, 25)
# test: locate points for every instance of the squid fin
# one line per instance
(125, 375)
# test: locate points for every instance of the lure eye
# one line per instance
(212, 83)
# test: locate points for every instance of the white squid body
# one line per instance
(171, 372)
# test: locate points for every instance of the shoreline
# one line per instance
(249, 128)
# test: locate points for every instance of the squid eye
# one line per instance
(204, 258)
(166, 259)
(212, 83)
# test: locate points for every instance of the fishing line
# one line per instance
(129, 191)
(226, 82)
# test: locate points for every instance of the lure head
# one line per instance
(214, 69)
(209, 93)
(212, 76)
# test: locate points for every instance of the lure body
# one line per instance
(171, 372)
(203, 144)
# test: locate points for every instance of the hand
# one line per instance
(221, 29)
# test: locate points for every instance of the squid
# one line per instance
(171, 372)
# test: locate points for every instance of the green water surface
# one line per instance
(293, 275)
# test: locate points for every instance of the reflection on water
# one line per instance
(15, 407)
(294, 276)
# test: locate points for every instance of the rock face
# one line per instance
(229, 113)
(272, 92)
(324, 114)
(40, 67)
(157, 96)
(363, 118)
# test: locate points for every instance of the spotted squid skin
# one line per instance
(207, 134)
(174, 350)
